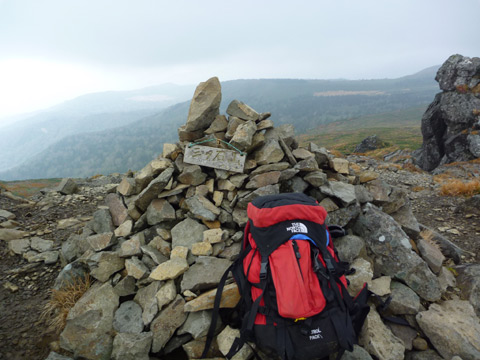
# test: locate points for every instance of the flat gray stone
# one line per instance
(132, 346)
(350, 247)
(125, 286)
(243, 136)
(192, 175)
(67, 187)
(316, 178)
(218, 125)
(136, 268)
(19, 246)
(128, 318)
(55, 356)
(146, 299)
(153, 189)
(159, 211)
(378, 340)
(12, 234)
(404, 300)
(387, 242)
(167, 322)
(117, 208)
(104, 264)
(202, 208)
(204, 274)
(7, 215)
(89, 329)
(102, 222)
(239, 109)
(102, 241)
(468, 281)
(127, 187)
(431, 254)
(342, 191)
(270, 152)
(187, 232)
(358, 353)
(453, 328)
(307, 165)
(197, 324)
(264, 179)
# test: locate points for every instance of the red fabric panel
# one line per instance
(254, 271)
(270, 216)
(298, 291)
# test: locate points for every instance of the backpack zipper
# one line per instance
(297, 255)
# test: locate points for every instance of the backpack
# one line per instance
(294, 303)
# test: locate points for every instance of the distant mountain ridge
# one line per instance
(117, 149)
(21, 140)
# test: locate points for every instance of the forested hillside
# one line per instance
(307, 104)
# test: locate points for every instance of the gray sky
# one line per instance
(53, 50)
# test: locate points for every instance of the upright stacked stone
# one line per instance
(161, 246)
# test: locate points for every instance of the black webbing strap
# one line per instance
(263, 285)
(216, 307)
(250, 316)
(218, 298)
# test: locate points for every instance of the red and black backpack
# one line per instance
(294, 302)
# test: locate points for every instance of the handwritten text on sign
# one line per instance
(216, 158)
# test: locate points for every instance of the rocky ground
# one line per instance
(25, 287)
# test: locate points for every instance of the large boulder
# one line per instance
(453, 328)
(451, 117)
(371, 142)
(89, 330)
(393, 253)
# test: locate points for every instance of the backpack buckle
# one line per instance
(263, 270)
(330, 267)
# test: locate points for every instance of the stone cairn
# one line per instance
(167, 234)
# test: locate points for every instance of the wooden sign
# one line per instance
(216, 158)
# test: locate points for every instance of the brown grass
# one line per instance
(27, 188)
(411, 168)
(389, 166)
(336, 153)
(455, 187)
(61, 301)
(429, 236)
(418, 188)
(460, 163)
(443, 177)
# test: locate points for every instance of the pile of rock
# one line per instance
(451, 123)
(372, 142)
(165, 237)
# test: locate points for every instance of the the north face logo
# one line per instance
(298, 228)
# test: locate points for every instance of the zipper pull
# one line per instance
(296, 250)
